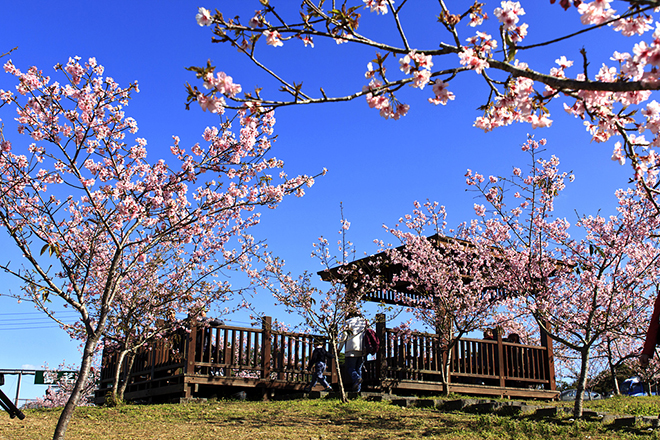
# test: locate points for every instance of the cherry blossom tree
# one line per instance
(169, 285)
(580, 291)
(322, 310)
(449, 276)
(486, 38)
(89, 213)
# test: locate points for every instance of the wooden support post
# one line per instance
(266, 346)
(381, 356)
(152, 370)
(500, 356)
(190, 358)
(228, 348)
(190, 352)
(549, 367)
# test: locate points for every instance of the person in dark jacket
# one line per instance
(317, 364)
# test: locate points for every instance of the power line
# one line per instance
(11, 324)
(39, 313)
(33, 322)
(26, 320)
(28, 328)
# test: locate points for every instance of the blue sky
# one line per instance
(377, 168)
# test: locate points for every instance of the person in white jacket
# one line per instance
(354, 354)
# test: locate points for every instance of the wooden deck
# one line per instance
(207, 359)
(212, 360)
(413, 362)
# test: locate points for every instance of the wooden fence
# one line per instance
(414, 361)
(196, 362)
(200, 361)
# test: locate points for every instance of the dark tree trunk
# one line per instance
(615, 381)
(581, 383)
(83, 374)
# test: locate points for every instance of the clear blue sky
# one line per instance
(377, 168)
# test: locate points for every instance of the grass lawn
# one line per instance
(317, 419)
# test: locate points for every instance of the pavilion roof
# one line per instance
(386, 291)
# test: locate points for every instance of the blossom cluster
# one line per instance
(380, 101)
(419, 65)
(378, 6)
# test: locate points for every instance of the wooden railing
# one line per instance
(190, 362)
(155, 366)
(420, 357)
(218, 354)
(240, 352)
(500, 363)
(226, 351)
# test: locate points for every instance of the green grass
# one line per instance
(636, 406)
(317, 419)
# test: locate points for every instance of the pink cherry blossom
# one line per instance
(222, 83)
(307, 40)
(477, 19)
(405, 64)
(273, 38)
(442, 95)
(258, 20)
(203, 17)
(469, 59)
(540, 120)
(563, 62)
(596, 12)
(370, 71)
(378, 6)
(421, 78)
(618, 154)
(633, 25)
(509, 14)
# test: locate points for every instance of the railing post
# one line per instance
(190, 357)
(500, 356)
(381, 356)
(190, 350)
(445, 354)
(152, 370)
(546, 342)
(266, 346)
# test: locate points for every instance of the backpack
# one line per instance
(370, 342)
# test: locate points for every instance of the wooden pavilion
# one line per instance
(206, 360)
(413, 363)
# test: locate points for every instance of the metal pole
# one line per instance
(18, 387)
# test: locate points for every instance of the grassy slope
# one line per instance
(312, 419)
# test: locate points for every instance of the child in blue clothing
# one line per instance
(317, 364)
